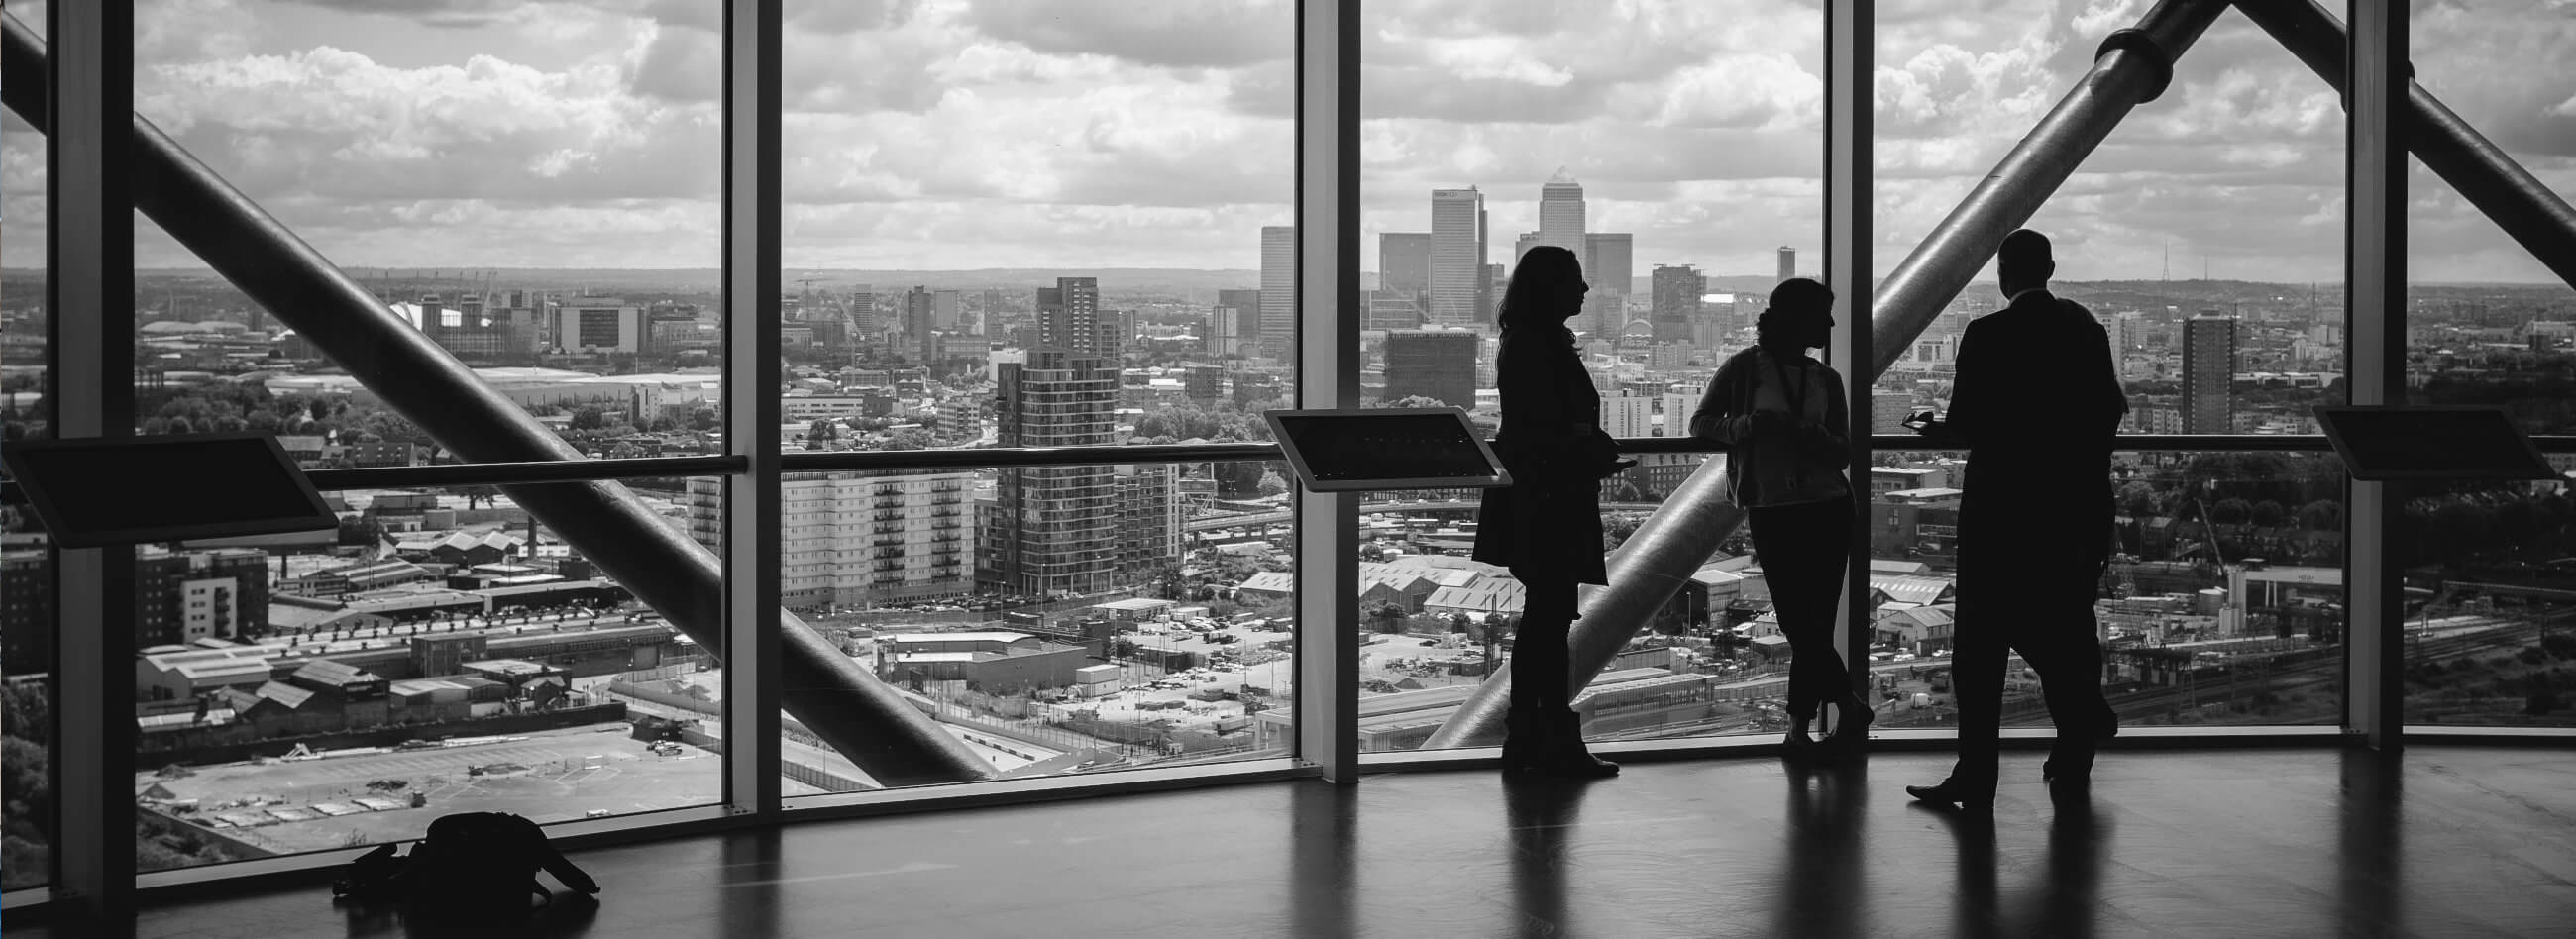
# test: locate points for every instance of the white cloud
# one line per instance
(971, 133)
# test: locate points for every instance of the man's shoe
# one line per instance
(1955, 795)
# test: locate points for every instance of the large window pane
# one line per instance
(442, 652)
(2224, 603)
(2206, 233)
(533, 188)
(1436, 624)
(971, 188)
(1126, 615)
(2488, 324)
(1673, 148)
(26, 595)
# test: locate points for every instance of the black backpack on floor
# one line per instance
(471, 866)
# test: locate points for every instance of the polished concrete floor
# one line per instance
(2442, 842)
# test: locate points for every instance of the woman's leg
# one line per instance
(1538, 643)
(1785, 543)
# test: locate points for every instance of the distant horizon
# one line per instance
(1252, 272)
(587, 136)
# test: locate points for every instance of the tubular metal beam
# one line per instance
(859, 715)
(2507, 195)
(2132, 67)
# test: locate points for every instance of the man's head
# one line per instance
(2024, 262)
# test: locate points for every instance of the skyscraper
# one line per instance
(1069, 317)
(1278, 327)
(919, 321)
(1457, 256)
(1677, 289)
(1435, 364)
(1232, 324)
(1560, 213)
(2208, 365)
(1404, 262)
(1788, 262)
(1052, 528)
(947, 310)
(1609, 263)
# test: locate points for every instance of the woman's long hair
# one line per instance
(1534, 283)
(1797, 297)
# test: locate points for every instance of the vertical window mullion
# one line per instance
(2375, 287)
(90, 250)
(752, 119)
(1328, 376)
(1848, 155)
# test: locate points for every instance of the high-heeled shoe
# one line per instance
(1524, 740)
(1956, 794)
(1800, 747)
(1564, 756)
(1851, 733)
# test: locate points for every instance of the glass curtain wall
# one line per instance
(1043, 225)
(1676, 149)
(2205, 234)
(26, 592)
(1008, 227)
(532, 194)
(2490, 588)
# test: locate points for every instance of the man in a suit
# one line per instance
(2037, 402)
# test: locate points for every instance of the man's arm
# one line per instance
(1958, 424)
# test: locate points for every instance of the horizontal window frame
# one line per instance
(1000, 792)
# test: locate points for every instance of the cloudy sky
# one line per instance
(1100, 133)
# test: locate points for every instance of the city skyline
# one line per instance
(587, 137)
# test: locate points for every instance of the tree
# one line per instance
(2230, 512)
(703, 419)
(2137, 500)
(2321, 515)
(1272, 485)
(2268, 514)
(1417, 401)
(589, 417)
(1239, 479)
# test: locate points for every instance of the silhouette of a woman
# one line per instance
(1546, 526)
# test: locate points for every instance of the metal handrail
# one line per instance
(496, 474)
(864, 718)
(810, 461)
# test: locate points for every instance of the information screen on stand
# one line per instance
(2431, 442)
(1391, 448)
(92, 493)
